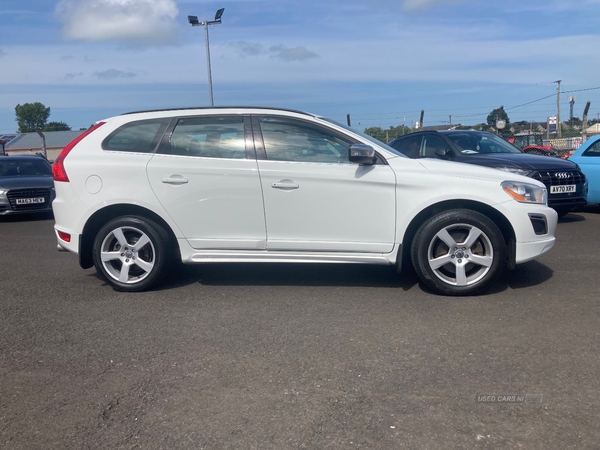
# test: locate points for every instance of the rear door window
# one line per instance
(209, 137)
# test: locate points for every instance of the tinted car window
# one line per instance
(594, 150)
(409, 146)
(431, 143)
(294, 141)
(139, 137)
(209, 137)
(24, 168)
(474, 142)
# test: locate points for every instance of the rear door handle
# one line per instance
(175, 180)
(285, 184)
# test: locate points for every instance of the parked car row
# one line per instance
(566, 184)
(137, 191)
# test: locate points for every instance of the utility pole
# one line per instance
(584, 120)
(450, 118)
(571, 104)
(558, 108)
(39, 131)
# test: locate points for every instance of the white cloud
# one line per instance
(291, 54)
(247, 48)
(417, 5)
(112, 74)
(70, 76)
(422, 4)
(138, 22)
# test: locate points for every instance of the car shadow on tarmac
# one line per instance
(532, 273)
(33, 217)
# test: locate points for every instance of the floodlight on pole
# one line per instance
(193, 20)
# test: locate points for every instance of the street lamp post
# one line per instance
(193, 20)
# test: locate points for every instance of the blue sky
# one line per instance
(381, 61)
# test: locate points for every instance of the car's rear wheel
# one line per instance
(458, 252)
(131, 253)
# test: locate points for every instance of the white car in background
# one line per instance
(137, 191)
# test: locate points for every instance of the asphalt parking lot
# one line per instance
(298, 356)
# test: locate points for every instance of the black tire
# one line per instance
(146, 265)
(447, 263)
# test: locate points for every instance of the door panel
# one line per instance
(312, 205)
(208, 186)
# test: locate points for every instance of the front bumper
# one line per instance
(531, 239)
(526, 251)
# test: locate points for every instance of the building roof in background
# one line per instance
(594, 129)
(6, 138)
(33, 141)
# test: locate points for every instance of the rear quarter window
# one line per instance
(138, 137)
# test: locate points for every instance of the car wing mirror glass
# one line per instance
(362, 154)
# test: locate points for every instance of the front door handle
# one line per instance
(175, 180)
(285, 185)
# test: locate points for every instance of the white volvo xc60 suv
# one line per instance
(140, 190)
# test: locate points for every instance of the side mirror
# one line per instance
(443, 153)
(362, 154)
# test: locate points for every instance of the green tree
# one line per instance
(56, 126)
(376, 132)
(389, 134)
(394, 132)
(31, 116)
(497, 114)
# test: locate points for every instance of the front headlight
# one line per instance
(516, 170)
(525, 192)
(3, 191)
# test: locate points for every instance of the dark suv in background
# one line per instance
(566, 184)
(26, 185)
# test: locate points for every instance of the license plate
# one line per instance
(30, 201)
(563, 189)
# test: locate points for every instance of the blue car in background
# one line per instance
(588, 158)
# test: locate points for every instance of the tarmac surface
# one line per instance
(298, 356)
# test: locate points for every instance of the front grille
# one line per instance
(538, 221)
(562, 178)
(15, 194)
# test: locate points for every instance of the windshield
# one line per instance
(13, 167)
(479, 142)
(365, 136)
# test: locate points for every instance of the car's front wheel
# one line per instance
(458, 252)
(131, 253)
